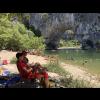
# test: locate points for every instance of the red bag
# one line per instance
(5, 62)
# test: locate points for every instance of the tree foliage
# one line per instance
(15, 36)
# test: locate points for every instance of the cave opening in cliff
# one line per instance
(37, 32)
(87, 44)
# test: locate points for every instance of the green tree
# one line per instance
(15, 36)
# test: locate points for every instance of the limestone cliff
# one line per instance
(54, 25)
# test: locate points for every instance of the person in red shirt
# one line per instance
(23, 69)
(33, 65)
(36, 66)
(26, 59)
(26, 72)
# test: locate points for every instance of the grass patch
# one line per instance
(54, 65)
(56, 69)
(71, 83)
(67, 80)
(69, 43)
(13, 60)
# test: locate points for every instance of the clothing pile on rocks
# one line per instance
(6, 77)
(14, 81)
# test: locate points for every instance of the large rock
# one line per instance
(88, 24)
(54, 25)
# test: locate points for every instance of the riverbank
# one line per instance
(75, 71)
(88, 59)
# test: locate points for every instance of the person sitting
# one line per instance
(26, 72)
(33, 65)
(26, 59)
(22, 67)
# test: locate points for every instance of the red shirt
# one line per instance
(21, 65)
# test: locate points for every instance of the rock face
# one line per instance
(88, 25)
(53, 26)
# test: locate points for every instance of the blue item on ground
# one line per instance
(12, 81)
(6, 73)
(2, 81)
